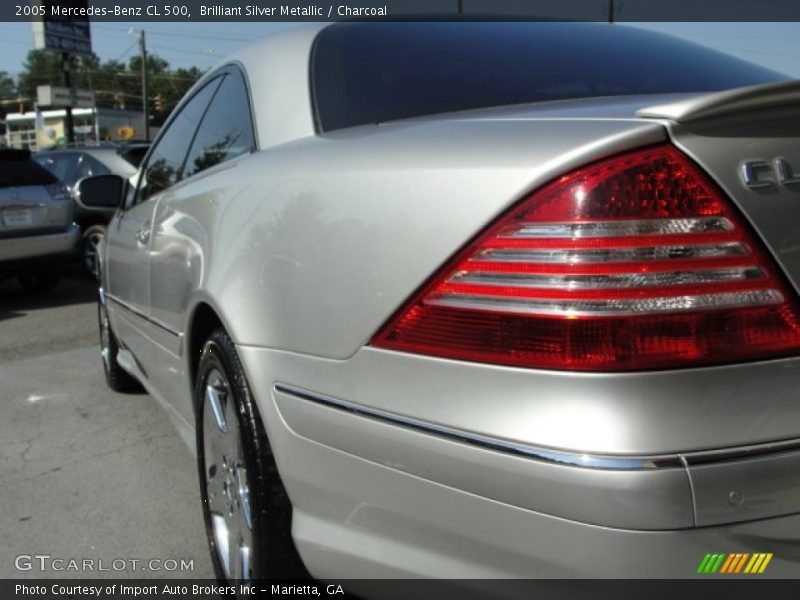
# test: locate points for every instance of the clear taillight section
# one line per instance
(636, 262)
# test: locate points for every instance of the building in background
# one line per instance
(92, 126)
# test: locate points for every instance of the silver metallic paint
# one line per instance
(727, 103)
(304, 248)
(624, 498)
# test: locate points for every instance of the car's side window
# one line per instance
(226, 131)
(164, 164)
(88, 166)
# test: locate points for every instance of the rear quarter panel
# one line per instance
(312, 245)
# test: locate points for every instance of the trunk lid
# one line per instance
(30, 208)
(31, 199)
(748, 140)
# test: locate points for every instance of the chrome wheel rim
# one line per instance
(226, 480)
(105, 337)
(90, 252)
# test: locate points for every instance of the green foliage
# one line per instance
(116, 84)
(8, 89)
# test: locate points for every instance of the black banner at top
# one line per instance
(340, 10)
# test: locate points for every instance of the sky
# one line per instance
(775, 45)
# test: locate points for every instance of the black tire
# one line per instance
(273, 553)
(91, 237)
(117, 378)
(39, 282)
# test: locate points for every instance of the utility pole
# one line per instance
(69, 122)
(610, 11)
(145, 107)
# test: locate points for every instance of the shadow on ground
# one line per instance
(75, 288)
(34, 324)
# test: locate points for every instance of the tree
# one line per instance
(40, 68)
(171, 86)
(116, 85)
(8, 89)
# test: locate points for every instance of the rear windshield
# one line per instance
(376, 72)
(17, 171)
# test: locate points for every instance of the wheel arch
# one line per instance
(204, 319)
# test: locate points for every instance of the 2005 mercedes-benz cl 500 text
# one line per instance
(471, 300)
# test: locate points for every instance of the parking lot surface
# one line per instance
(85, 473)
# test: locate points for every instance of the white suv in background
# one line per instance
(37, 232)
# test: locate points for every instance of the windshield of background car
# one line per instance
(376, 72)
(16, 172)
(60, 164)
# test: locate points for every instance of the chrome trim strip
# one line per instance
(592, 461)
(570, 256)
(707, 457)
(589, 461)
(610, 281)
(140, 314)
(619, 228)
(606, 308)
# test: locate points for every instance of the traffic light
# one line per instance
(159, 102)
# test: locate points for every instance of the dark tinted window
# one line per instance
(62, 165)
(226, 131)
(374, 72)
(166, 161)
(134, 154)
(88, 166)
(18, 171)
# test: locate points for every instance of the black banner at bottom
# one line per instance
(406, 589)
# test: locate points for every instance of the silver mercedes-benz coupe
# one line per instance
(472, 300)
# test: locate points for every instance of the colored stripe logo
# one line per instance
(735, 563)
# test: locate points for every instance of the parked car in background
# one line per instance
(37, 232)
(70, 165)
(471, 300)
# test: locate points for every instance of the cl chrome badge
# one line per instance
(759, 174)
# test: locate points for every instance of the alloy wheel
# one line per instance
(105, 334)
(226, 479)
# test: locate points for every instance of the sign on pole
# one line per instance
(49, 95)
(55, 31)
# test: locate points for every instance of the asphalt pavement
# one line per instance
(86, 474)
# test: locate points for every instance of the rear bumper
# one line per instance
(379, 494)
(14, 252)
(361, 520)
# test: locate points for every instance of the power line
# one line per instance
(50, 71)
(183, 33)
(121, 56)
(197, 52)
(213, 36)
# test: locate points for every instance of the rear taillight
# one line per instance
(635, 262)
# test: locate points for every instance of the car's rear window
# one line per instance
(19, 169)
(376, 72)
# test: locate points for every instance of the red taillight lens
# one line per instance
(636, 262)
